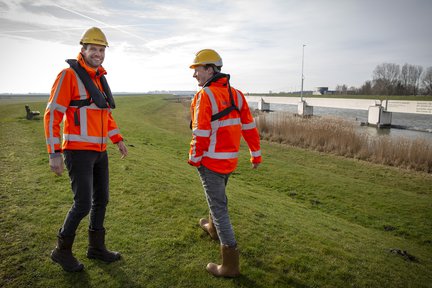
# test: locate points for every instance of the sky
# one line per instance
(153, 42)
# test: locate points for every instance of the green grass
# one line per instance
(304, 219)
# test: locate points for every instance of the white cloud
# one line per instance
(153, 42)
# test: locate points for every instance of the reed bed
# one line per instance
(342, 137)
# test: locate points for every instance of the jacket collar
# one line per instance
(219, 79)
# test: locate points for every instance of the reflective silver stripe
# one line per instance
(113, 132)
(55, 140)
(255, 153)
(201, 132)
(81, 88)
(51, 120)
(215, 127)
(229, 122)
(215, 108)
(83, 120)
(94, 107)
(221, 155)
(193, 152)
(239, 100)
(195, 159)
(89, 139)
(214, 124)
(54, 106)
(249, 126)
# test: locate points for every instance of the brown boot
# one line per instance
(208, 226)
(230, 263)
(62, 254)
(97, 249)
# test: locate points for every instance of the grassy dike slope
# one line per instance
(304, 219)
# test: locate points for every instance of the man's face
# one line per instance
(202, 74)
(94, 55)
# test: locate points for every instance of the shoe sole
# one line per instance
(67, 269)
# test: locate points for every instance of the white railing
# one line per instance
(415, 107)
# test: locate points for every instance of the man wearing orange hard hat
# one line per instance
(220, 117)
(81, 99)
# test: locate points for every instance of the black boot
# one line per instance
(62, 254)
(97, 249)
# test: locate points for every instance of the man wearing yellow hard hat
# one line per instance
(220, 117)
(82, 100)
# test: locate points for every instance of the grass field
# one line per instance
(304, 219)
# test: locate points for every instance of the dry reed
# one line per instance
(342, 137)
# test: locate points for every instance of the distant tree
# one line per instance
(427, 81)
(386, 77)
(399, 89)
(410, 78)
(404, 78)
(366, 88)
(341, 89)
(415, 78)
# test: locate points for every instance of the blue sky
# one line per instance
(152, 43)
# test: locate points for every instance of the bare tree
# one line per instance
(404, 78)
(415, 77)
(410, 78)
(366, 88)
(386, 77)
(427, 80)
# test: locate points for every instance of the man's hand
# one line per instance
(122, 148)
(255, 165)
(56, 165)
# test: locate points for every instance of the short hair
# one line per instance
(216, 69)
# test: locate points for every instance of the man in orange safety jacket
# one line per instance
(82, 100)
(220, 116)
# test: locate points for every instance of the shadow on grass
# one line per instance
(245, 281)
(116, 272)
(78, 279)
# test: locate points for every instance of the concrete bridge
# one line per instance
(379, 112)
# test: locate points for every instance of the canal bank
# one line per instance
(403, 124)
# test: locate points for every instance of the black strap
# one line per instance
(79, 104)
(223, 113)
(227, 110)
(102, 99)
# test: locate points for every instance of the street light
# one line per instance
(301, 93)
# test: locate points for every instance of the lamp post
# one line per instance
(301, 93)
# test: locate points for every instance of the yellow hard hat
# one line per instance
(206, 56)
(94, 35)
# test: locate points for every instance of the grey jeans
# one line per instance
(214, 188)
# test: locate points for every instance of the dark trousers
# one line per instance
(89, 176)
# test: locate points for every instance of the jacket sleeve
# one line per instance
(113, 130)
(201, 128)
(60, 97)
(250, 132)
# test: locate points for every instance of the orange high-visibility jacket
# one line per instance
(95, 124)
(216, 144)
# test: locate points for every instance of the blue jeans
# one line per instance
(214, 188)
(89, 176)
